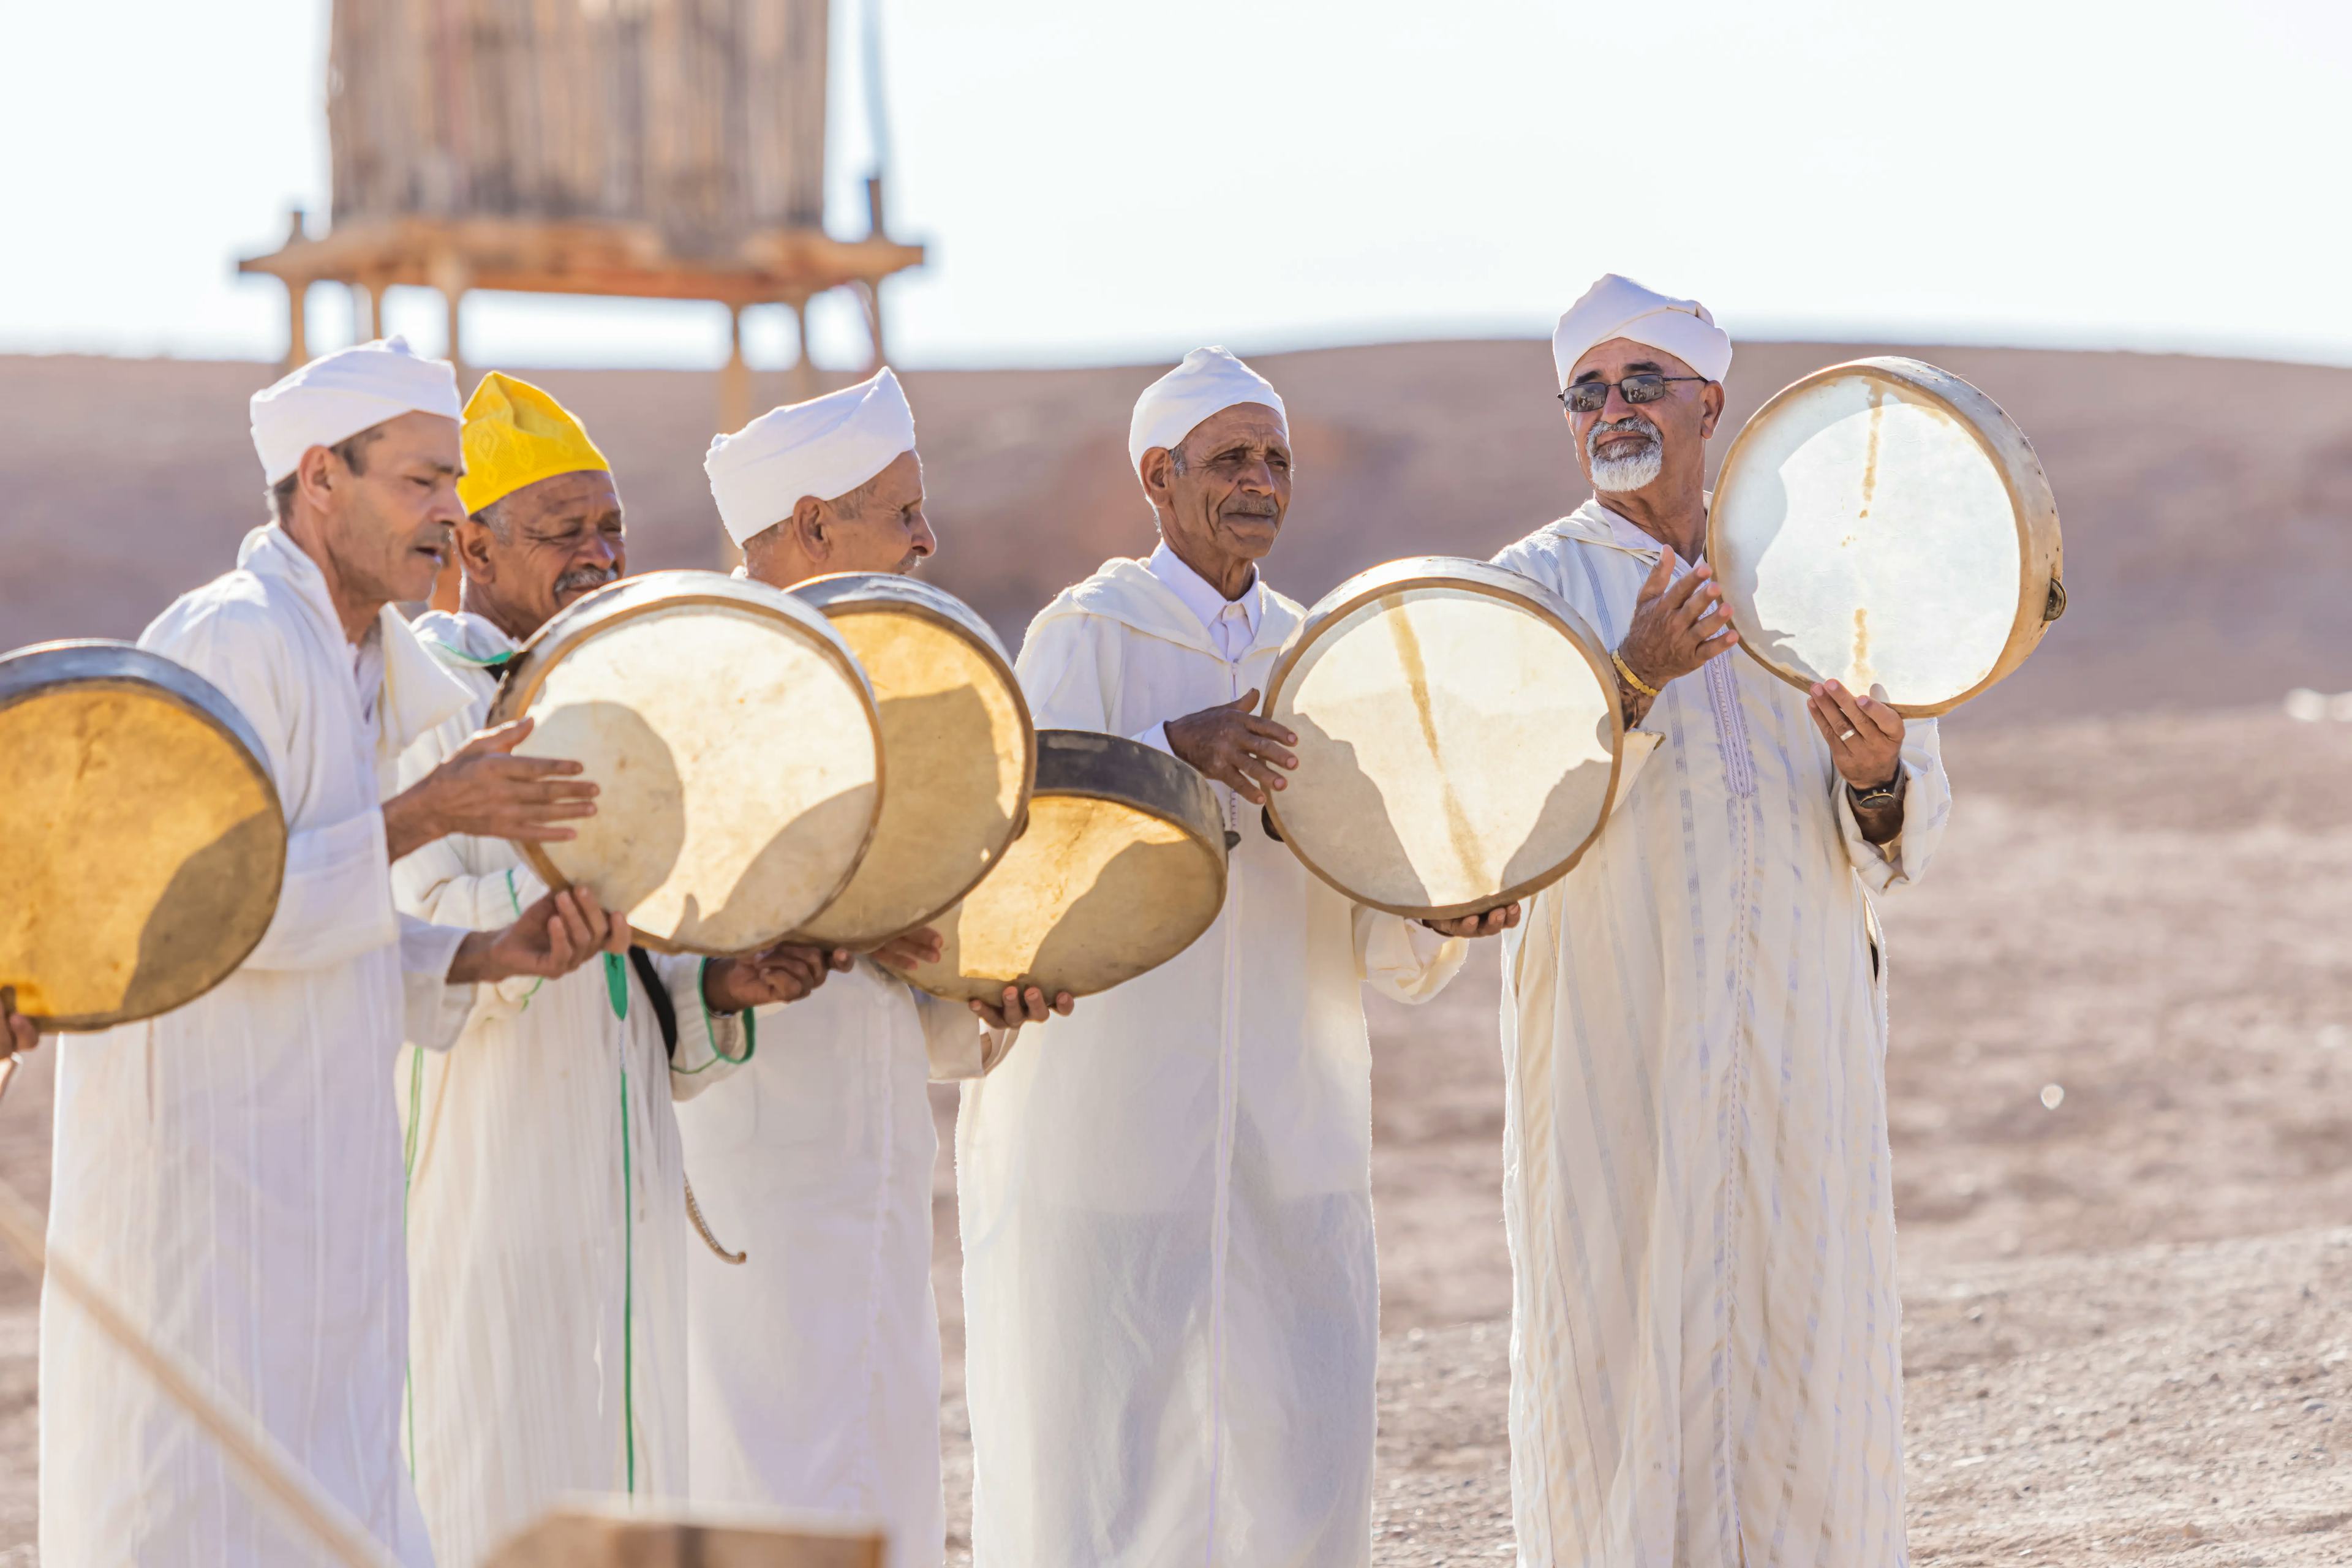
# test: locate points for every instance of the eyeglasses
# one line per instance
(1591, 396)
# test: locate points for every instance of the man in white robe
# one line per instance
(229, 1173)
(547, 1220)
(1172, 1312)
(1705, 1349)
(816, 1362)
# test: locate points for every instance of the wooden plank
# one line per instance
(582, 1539)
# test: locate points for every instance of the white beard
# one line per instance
(1631, 473)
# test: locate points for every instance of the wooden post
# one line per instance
(803, 368)
(449, 276)
(362, 315)
(375, 310)
(734, 413)
(870, 294)
(734, 378)
(297, 347)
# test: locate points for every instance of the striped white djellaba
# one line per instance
(1706, 1364)
(545, 1196)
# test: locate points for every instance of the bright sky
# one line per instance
(1117, 181)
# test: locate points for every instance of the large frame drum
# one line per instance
(1121, 867)
(142, 840)
(956, 742)
(735, 746)
(1883, 523)
(1459, 737)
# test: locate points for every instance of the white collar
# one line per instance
(1200, 595)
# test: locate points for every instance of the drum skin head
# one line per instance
(1884, 523)
(957, 743)
(144, 840)
(1458, 737)
(734, 745)
(1121, 868)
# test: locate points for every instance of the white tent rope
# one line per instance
(259, 1464)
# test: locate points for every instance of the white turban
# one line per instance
(336, 395)
(1620, 308)
(824, 448)
(1209, 380)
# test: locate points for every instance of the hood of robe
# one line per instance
(418, 694)
(1593, 523)
(463, 638)
(1124, 590)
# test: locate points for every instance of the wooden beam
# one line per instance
(298, 345)
(734, 413)
(803, 367)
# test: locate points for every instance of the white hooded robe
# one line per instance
(1170, 1303)
(547, 1226)
(814, 1364)
(1704, 1344)
(229, 1173)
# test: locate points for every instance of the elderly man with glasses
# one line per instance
(1705, 1357)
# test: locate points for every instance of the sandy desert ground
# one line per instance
(2125, 1337)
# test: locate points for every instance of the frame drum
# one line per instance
(959, 746)
(1458, 737)
(1121, 867)
(734, 745)
(145, 842)
(1883, 523)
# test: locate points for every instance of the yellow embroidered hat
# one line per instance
(517, 435)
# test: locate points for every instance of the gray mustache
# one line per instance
(586, 577)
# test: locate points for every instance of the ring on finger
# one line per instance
(1847, 735)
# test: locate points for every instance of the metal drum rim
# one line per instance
(127, 666)
(2030, 514)
(884, 593)
(628, 599)
(1191, 809)
(1489, 581)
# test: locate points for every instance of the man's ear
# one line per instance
(1710, 404)
(1158, 471)
(474, 540)
(813, 526)
(316, 473)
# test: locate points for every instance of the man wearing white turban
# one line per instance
(1705, 1357)
(813, 1366)
(1171, 1313)
(229, 1173)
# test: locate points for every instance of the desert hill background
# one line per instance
(2120, 1076)
(2201, 499)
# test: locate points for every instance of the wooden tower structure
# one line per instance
(654, 149)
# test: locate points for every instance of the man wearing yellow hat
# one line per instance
(547, 1223)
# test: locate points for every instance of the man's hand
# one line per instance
(788, 972)
(1494, 922)
(1232, 746)
(549, 940)
(484, 790)
(1019, 1008)
(1866, 737)
(911, 950)
(1677, 627)
(18, 1034)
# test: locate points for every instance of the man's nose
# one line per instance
(1616, 407)
(601, 549)
(1258, 477)
(447, 510)
(923, 542)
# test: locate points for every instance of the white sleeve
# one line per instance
(961, 1044)
(435, 1011)
(335, 900)
(1927, 808)
(1402, 958)
(710, 1046)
